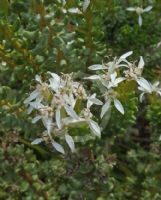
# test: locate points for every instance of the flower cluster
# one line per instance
(108, 77)
(55, 101)
(61, 103)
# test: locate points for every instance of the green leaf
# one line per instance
(4, 7)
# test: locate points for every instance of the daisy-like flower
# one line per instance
(111, 96)
(139, 11)
(46, 115)
(134, 72)
(114, 81)
(112, 65)
(41, 91)
(94, 127)
(148, 88)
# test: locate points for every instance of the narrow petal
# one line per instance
(118, 106)
(85, 5)
(58, 119)
(92, 100)
(148, 8)
(55, 77)
(95, 128)
(74, 11)
(144, 84)
(118, 80)
(35, 119)
(70, 142)
(141, 63)
(37, 141)
(32, 96)
(72, 100)
(124, 56)
(131, 9)
(97, 67)
(105, 108)
(141, 97)
(38, 78)
(93, 77)
(113, 76)
(58, 147)
(71, 112)
(47, 123)
(140, 20)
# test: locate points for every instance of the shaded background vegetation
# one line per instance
(38, 36)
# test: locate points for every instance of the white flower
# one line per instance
(93, 100)
(139, 11)
(110, 96)
(46, 114)
(112, 65)
(114, 81)
(134, 72)
(40, 92)
(147, 87)
(87, 116)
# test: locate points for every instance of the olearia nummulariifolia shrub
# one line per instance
(95, 131)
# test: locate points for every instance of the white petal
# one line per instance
(72, 100)
(32, 96)
(38, 78)
(58, 147)
(70, 142)
(74, 11)
(55, 77)
(94, 128)
(113, 76)
(37, 141)
(93, 77)
(64, 2)
(35, 119)
(29, 110)
(85, 5)
(36, 104)
(140, 20)
(71, 112)
(96, 101)
(118, 106)
(47, 123)
(105, 108)
(148, 8)
(124, 56)
(54, 84)
(141, 97)
(159, 92)
(131, 9)
(156, 84)
(144, 84)
(92, 100)
(141, 63)
(118, 80)
(97, 67)
(58, 119)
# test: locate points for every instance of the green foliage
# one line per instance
(38, 36)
